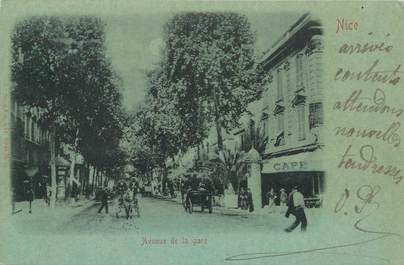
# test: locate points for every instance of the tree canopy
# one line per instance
(206, 77)
(59, 65)
(210, 66)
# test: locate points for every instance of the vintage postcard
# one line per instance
(201, 132)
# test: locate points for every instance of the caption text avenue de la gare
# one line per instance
(192, 241)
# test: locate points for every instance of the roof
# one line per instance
(299, 33)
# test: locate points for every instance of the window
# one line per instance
(280, 127)
(316, 114)
(280, 122)
(299, 72)
(28, 157)
(301, 122)
(252, 134)
(38, 133)
(27, 124)
(265, 126)
(32, 135)
(279, 85)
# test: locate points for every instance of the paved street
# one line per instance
(156, 215)
(104, 239)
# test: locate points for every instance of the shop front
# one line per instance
(304, 170)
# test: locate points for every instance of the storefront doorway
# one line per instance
(311, 183)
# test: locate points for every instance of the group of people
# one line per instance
(292, 203)
(29, 187)
(127, 200)
(273, 197)
(245, 200)
(167, 188)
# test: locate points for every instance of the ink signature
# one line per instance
(366, 195)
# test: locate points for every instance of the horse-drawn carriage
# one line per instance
(201, 198)
(127, 203)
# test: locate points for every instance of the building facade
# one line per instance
(29, 150)
(30, 156)
(281, 132)
(292, 111)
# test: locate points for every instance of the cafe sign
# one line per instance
(290, 166)
(310, 161)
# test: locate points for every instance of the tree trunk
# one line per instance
(72, 165)
(52, 146)
(217, 120)
(86, 180)
(93, 181)
(99, 173)
(219, 133)
(97, 178)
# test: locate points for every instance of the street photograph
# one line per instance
(204, 114)
(201, 132)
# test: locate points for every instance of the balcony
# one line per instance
(298, 99)
(312, 142)
(278, 109)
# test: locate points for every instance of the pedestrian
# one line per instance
(239, 199)
(128, 201)
(283, 199)
(48, 194)
(45, 193)
(13, 199)
(250, 200)
(170, 186)
(296, 208)
(121, 187)
(29, 193)
(243, 199)
(104, 194)
(271, 199)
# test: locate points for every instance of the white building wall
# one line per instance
(311, 61)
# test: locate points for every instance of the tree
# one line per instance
(59, 65)
(260, 140)
(232, 167)
(160, 131)
(210, 65)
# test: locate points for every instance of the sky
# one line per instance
(134, 42)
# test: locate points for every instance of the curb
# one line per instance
(219, 209)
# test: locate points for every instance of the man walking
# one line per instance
(104, 200)
(296, 207)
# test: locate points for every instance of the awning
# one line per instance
(307, 161)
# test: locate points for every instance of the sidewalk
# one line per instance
(40, 207)
(42, 213)
(276, 211)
